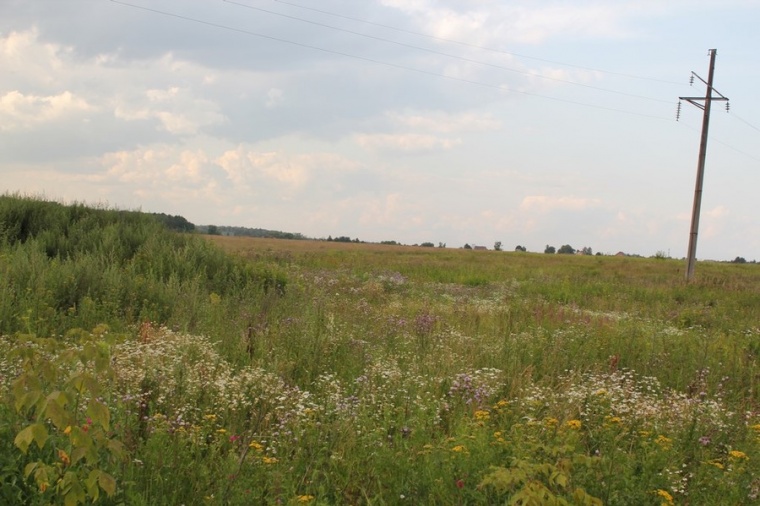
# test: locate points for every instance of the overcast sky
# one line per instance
(455, 121)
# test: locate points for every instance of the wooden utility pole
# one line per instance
(705, 106)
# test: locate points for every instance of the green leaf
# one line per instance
(107, 483)
(99, 413)
(29, 468)
(35, 432)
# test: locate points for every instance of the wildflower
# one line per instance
(613, 420)
(269, 460)
(67, 430)
(715, 463)
(460, 483)
(482, 415)
(502, 404)
(667, 499)
(305, 498)
(736, 454)
(43, 486)
(210, 417)
(573, 424)
(756, 427)
(551, 422)
(255, 445)
(64, 457)
(664, 442)
(222, 431)
(458, 449)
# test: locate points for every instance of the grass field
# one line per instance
(331, 373)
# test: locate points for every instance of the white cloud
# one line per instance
(19, 111)
(547, 204)
(442, 122)
(405, 143)
(275, 97)
(178, 110)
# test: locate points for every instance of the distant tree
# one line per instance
(427, 245)
(566, 249)
(213, 230)
(497, 246)
(441, 244)
(467, 246)
(586, 251)
(739, 260)
(550, 250)
(329, 238)
(520, 248)
(177, 223)
(390, 243)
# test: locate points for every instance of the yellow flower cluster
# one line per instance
(305, 498)
(664, 442)
(573, 424)
(459, 449)
(481, 415)
(667, 499)
(737, 455)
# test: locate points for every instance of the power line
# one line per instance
(745, 122)
(380, 62)
(449, 55)
(476, 46)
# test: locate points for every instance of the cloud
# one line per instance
(275, 97)
(546, 204)
(442, 122)
(19, 111)
(178, 110)
(405, 143)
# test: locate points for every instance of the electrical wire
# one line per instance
(380, 62)
(475, 46)
(441, 53)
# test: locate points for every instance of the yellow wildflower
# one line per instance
(458, 449)
(222, 431)
(736, 454)
(255, 445)
(43, 486)
(755, 427)
(305, 498)
(667, 499)
(573, 424)
(269, 460)
(482, 415)
(664, 442)
(503, 403)
(551, 422)
(715, 463)
(67, 430)
(613, 420)
(64, 457)
(210, 417)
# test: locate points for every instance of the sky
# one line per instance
(547, 122)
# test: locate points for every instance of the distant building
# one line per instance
(480, 248)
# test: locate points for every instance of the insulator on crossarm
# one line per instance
(691, 80)
(728, 106)
(678, 111)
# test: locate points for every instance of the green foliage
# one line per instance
(64, 267)
(68, 449)
(566, 249)
(380, 376)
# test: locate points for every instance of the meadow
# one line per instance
(141, 366)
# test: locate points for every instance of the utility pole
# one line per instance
(705, 106)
